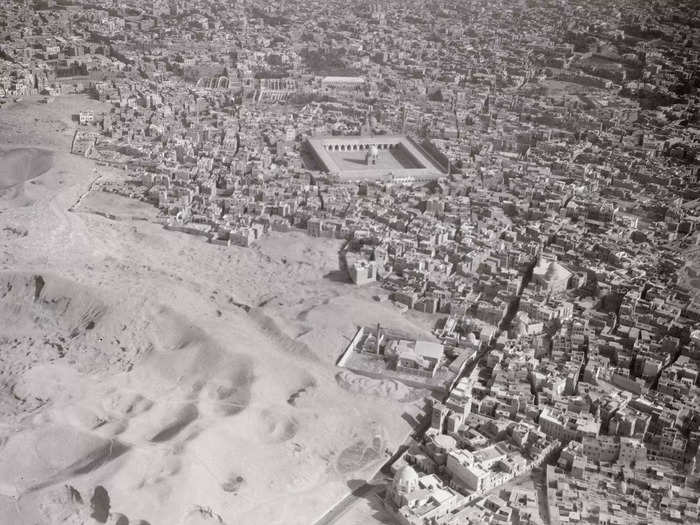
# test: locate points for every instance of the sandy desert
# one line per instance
(155, 378)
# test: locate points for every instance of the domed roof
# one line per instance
(556, 272)
(444, 441)
(405, 475)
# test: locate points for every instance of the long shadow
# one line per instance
(104, 454)
(362, 490)
(408, 418)
(190, 413)
(338, 276)
(356, 161)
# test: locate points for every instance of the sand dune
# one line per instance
(130, 372)
(30, 459)
(388, 388)
(22, 164)
(147, 399)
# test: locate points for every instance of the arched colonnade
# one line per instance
(357, 147)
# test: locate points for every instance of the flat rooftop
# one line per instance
(354, 80)
(398, 158)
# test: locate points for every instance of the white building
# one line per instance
(86, 117)
(342, 83)
(604, 449)
(415, 499)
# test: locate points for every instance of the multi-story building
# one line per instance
(601, 448)
(567, 426)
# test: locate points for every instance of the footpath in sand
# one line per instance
(148, 374)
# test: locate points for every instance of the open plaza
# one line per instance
(386, 157)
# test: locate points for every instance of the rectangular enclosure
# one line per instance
(373, 157)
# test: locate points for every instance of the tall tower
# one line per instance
(377, 346)
(439, 416)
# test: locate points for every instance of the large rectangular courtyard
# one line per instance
(398, 158)
(388, 159)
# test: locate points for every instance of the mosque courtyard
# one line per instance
(396, 157)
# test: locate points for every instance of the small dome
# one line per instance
(444, 441)
(405, 475)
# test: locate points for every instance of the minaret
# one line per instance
(379, 334)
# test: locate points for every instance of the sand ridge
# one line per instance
(22, 164)
(190, 381)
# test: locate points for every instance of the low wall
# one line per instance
(351, 347)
